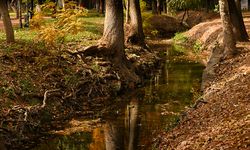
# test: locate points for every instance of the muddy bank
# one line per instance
(43, 89)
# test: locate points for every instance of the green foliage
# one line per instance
(26, 86)
(217, 8)
(180, 38)
(197, 47)
(177, 49)
(8, 91)
(183, 4)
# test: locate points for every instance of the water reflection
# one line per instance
(149, 109)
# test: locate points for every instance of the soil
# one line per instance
(44, 89)
(195, 17)
(220, 117)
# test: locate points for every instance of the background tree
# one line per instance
(7, 22)
(136, 35)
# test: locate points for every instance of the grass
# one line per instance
(89, 34)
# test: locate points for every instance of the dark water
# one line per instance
(149, 109)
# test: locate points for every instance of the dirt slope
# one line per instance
(220, 119)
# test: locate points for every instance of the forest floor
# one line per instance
(43, 87)
(220, 119)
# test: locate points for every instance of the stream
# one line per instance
(150, 109)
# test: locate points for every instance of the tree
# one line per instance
(19, 6)
(225, 47)
(239, 28)
(158, 6)
(111, 44)
(7, 22)
(61, 4)
(136, 35)
(228, 42)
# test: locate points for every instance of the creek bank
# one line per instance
(220, 117)
(42, 90)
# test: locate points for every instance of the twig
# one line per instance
(45, 96)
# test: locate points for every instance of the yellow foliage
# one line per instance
(67, 22)
(37, 21)
(49, 6)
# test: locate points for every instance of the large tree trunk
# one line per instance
(136, 35)
(229, 42)
(224, 47)
(113, 35)
(111, 44)
(239, 28)
(7, 22)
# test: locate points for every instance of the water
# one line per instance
(153, 108)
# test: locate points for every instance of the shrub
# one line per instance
(67, 22)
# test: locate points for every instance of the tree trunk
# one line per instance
(224, 47)
(158, 5)
(111, 44)
(6, 21)
(229, 42)
(38, 6)
(61, 4)
(19, 5)
(102, 6)
(239, 28)
(113, 35)
(238, 4)
(97, 5)
(154, 7)
(136, 35)
(127, 12)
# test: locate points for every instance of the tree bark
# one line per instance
(154, 7)
(224, 47)
(111, 44)
(158, 5)
(113, 35)
(102, 6)
(127, 12)
(6, 21)
(229, 42)
(238, 4)
(19, 6)
(61, 4)
(239, 28)
(136, 35)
